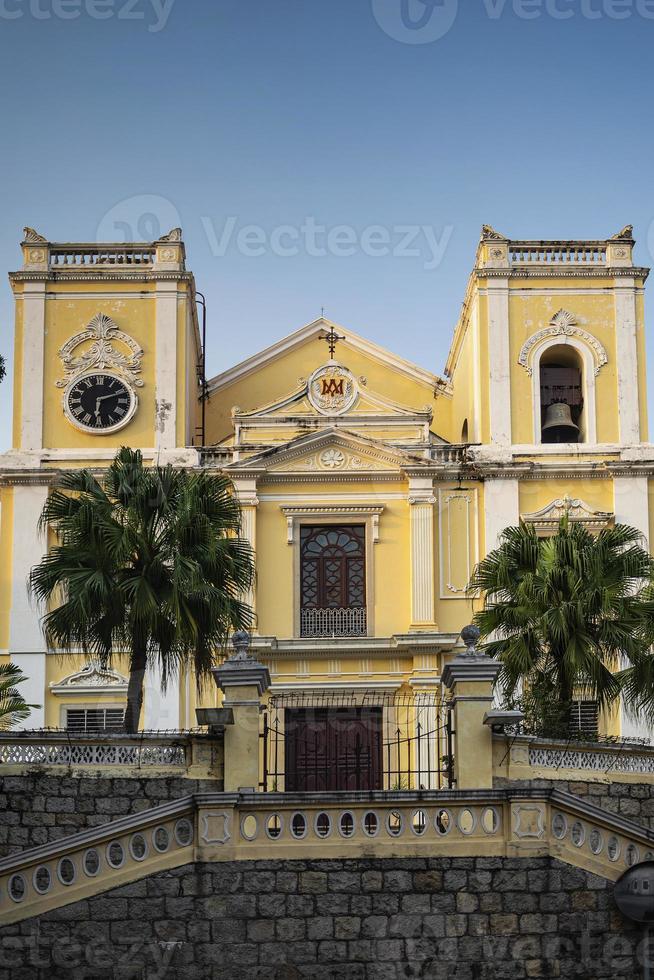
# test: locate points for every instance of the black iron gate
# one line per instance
(359, 741)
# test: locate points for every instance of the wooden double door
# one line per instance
(333, 749)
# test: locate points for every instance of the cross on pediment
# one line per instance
(332, 338)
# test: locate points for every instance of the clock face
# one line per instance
(99, 403)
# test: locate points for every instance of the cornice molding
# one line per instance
(562, 272)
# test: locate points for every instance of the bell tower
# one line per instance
(107, 353)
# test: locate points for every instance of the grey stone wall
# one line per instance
(38, 808)
(634, 801)
(463, 918)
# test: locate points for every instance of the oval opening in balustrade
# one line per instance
(490, 820)
(443, 822)
(66, 871)
(578, 833)
(559, 826)
(299, 826)
(631, 855)
(115, 854)
(613, 848)
(249, 827)
(466, 821)
(138, 847)
(323, 825)
(370, 824)
(42, 880)
(274, 826)
(419, 822)
(161, 839)
(91, 863)
(184, 832)
(595, 841)
(394, 823)
(346, 824)
(17, 888)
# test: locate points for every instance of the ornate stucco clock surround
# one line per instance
(96, 399)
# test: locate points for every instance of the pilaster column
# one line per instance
(501, 509)
(246, 491)
(421, 508)
(471, 677)
(165, 392)
(631, 503)
(27, 646)
(31, 380)
(243, 682)
(161, 708)
(626, 349)
(499, 362)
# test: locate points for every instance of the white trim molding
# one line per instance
(562, 325)
(94, 679)
(546, 520)
(320, 512)
(499, 366)
(421, 519)
(626, 350)
(563, 331)
(462, 539)
(501, 509)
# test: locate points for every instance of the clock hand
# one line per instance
(114, 394)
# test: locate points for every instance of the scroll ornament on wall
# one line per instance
(100, 353)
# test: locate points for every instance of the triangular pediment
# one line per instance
(331, 452)
(309, 334)
(364, 403)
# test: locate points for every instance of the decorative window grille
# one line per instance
(584, 718)
(333, 580)
(89, 721)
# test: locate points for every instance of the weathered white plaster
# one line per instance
(627, 360)
(31, 429)
(501, 509)
(27, 645)
(166, 367)
(499, 359)
(160, 709)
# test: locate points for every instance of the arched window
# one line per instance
(561, 395)
(464, 431)
(333, 580)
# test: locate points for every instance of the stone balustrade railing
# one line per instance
(158, 753)
(526, 757)
(558, 253)
(80, 256)
(252, 826)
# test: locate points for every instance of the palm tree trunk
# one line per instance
(137, 667)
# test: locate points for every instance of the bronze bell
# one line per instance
(559, 425)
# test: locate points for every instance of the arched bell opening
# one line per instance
(561, 395)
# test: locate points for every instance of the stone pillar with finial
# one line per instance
(243, 681)
(470, 678)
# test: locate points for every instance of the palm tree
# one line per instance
(149, 562)
(568, 615)
(13, 707)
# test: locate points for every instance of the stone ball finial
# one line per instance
(241, 644)
(470, 636)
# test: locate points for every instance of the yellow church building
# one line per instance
(370, 486)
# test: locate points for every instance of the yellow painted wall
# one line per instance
(530, 313)
(67, 316)
(535, 494)
(280, 377)
(6, 546)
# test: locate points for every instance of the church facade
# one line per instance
(370, 486)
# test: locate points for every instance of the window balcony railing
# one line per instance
(333, 622)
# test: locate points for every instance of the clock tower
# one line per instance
(107, 354)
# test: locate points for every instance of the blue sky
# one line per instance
(350, 116)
